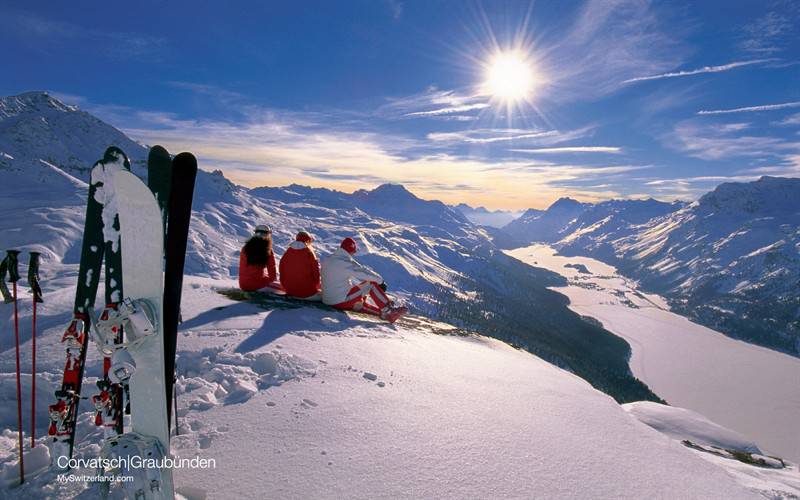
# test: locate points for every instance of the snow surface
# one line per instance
(680, 423)
(308, 403)
(747, 388)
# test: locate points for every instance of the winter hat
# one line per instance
(349, 245)
(262, 229)
(304, 237)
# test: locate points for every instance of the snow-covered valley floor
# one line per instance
(750, 389)
(308, 403)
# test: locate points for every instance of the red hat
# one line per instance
(349, 245)
(304, 237)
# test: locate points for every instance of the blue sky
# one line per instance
(625, 98)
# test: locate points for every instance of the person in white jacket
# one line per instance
(348, 285)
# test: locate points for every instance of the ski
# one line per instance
(184, 173)
(140, 359)
(109, 402)
(159, 179)
(98, 229)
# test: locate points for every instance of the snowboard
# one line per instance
(268, 299)
(142, 256)
(179, 214)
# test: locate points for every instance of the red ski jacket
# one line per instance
(252, 278)
(299, 271)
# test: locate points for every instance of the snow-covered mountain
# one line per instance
(323, 397)
(731, 260)
(430, 255)
(485, 217)
(593, 229)
(35, 126)
(546, 226)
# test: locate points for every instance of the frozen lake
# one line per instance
(750, 389)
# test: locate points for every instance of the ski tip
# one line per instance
(185, 158)
(158, 151)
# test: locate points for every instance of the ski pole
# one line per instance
(175, 400)
(13, 277)
(36, 290)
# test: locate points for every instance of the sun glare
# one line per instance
(509, 77)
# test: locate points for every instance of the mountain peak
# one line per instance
(765, 194)
(565, 203)
(34, 101)
(393, 191)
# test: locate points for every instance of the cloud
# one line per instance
(279, 148)
(609, 42)
(790, 120)
(769, 33)
(717, 142)
(450, 110)
(704, 69)
(573, 149)
(749, 109)
(433, 103)
(493, 135)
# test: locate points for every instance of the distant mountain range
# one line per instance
(730, 260)
(430, 254)
(485, 217)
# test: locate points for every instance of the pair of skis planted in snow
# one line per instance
(131, 221)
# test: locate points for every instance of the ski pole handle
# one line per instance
(12, 256)
(4, 291)
(33, 277)
(9, 267)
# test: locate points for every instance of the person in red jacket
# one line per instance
(299, 269)
(257, 261)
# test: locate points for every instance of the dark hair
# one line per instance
(257, 250)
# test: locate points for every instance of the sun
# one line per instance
(509, 77)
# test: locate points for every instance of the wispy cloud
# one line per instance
(572, 149)
(493, 135)
(450, 110)
(271, 147)
(725, 141)
(699, 71)
(769, 33)
(609, 42)
(433, 103)
(790, 120)
(749, 109)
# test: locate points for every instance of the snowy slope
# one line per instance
(592, 232)
(307, 403)
(35, 125)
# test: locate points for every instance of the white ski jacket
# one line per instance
(340, 273)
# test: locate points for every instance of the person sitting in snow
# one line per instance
(299, 269)
(348, 285)
(255, 259)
